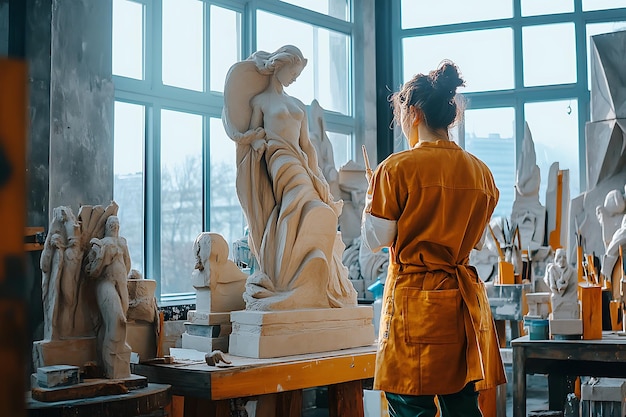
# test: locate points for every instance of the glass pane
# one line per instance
(489, 135)
(443, 12)
(4, 28)
(181, 197)
(128, 140)
(225, 44)
(183, 44)
(335, 8)
(598, 29)
(603, 4)
(227, 217)
(327, 74)
(128, 28)
(554, 127)
(540, 7)
(342, 148)
(549, 54)
(485, 57)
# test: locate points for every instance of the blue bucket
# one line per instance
(538, 329)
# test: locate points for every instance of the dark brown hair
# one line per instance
(434, 94)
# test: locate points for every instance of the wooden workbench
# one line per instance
(563, 360)
(208, 389)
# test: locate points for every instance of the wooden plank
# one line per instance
(591, 310)
(84, 390)
(13, 127)
(136, 403)
(291, 376)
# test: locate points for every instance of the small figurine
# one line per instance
(562, 280)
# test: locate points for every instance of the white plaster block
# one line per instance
(205, 344)
(262, 334)
(57, 376)
(205, 317)
(566, 326)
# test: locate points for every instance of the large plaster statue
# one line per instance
(323, 147)
(610, 214)
(528, 214)
(218, 274)
(108, 262)
(562, 280)
(612, 250)
(290, 210)
(60, 265)
(605, 139)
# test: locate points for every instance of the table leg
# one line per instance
(519, 381)
(558, 387)
(346, 399)
(289, 404)
(201, 407)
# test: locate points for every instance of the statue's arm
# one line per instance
(96, 257)
(306, 145)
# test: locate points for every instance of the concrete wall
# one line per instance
(4, 27)
(81, 104)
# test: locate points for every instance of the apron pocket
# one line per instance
(432, 316)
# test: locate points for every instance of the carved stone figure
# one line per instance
(108, 262)
(562, 280)
(605, 136)
(323, 147)
(288, 204)
(612, 250)
(60, 265)
(85, 264)
(218, 274)
(610, 214)
(528, 213)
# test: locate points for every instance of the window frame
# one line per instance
(155, 96)
(519, 95)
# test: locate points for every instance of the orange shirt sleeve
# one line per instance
(387, 198)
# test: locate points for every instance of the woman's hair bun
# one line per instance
(446, 79)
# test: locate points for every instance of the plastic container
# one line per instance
(538, 329)
(377, 290)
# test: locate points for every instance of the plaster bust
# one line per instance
(214, 271)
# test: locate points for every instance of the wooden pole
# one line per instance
(13, 328)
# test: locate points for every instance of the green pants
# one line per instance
(464, 403)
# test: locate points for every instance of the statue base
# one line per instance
(206, 331)
(77, 352)
(272, 334)
(566, 327)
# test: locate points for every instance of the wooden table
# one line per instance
(146, 401)
(562, 361)
(208, 389)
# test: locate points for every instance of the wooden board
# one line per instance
(89, 388)
(140, 402)
(13, 123)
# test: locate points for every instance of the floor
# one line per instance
(536, 397)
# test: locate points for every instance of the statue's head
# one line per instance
(286, 56)
(112, 226)
(560, 257)
(202, 249)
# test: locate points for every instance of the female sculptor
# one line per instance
(291, 214)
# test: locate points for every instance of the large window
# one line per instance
(524, 61)
(174, 164)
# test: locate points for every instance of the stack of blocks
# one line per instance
(603, 397)
(206, 331)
